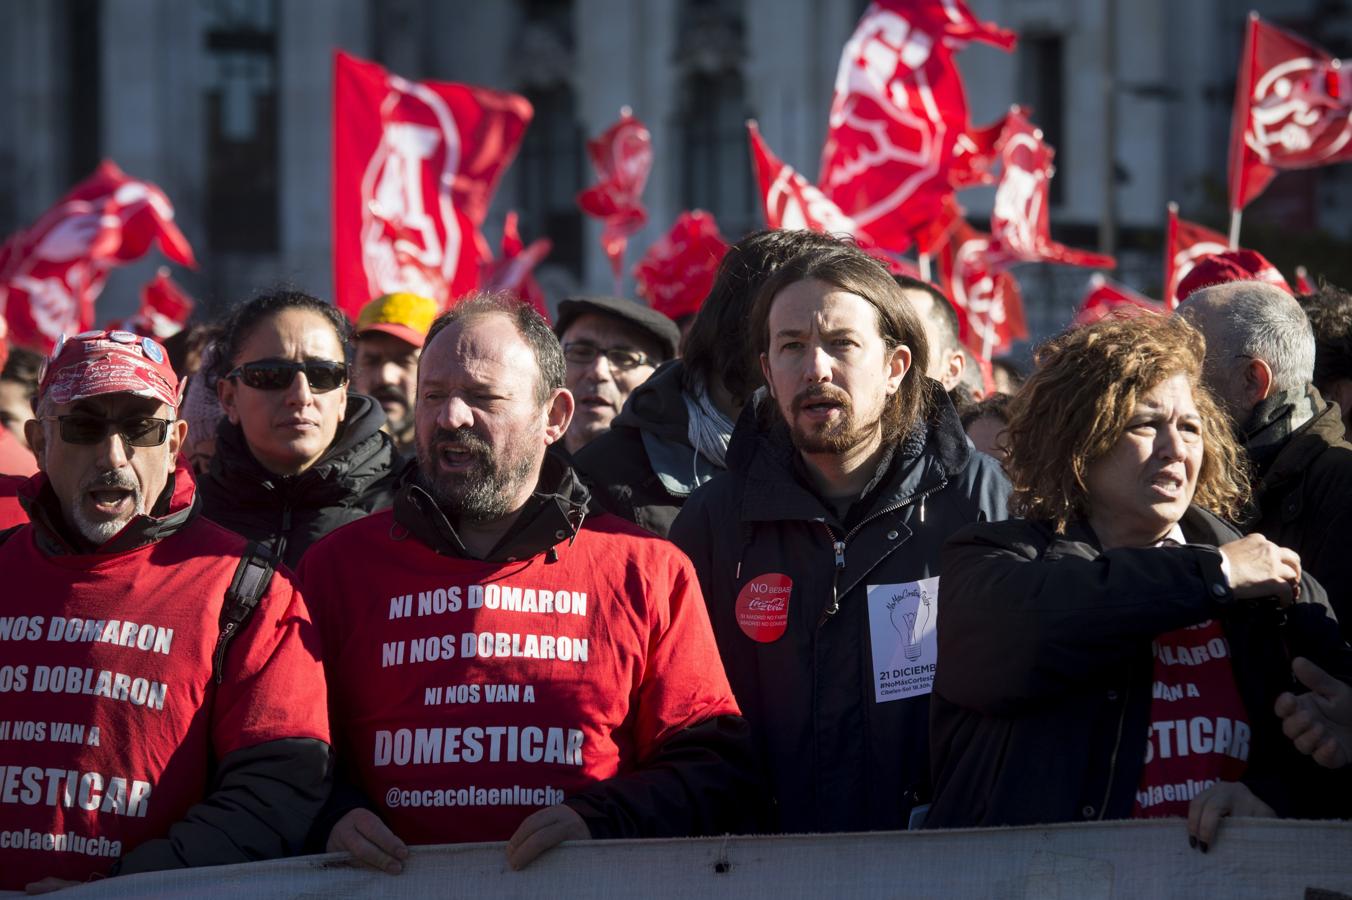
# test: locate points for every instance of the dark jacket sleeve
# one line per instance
(1021, 625)
(261, 806)
(701, 781)
(691, 532)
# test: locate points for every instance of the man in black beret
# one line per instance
(611, 346)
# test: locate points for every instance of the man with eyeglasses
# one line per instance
(146, 721)
(610, 346)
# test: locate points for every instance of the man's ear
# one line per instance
(225, 393)
(957, 364)
(765, 373)
(178, 433)
(559, 415)
(898, 364)
(36, 434)
(1257, 381)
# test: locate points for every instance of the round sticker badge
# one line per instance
(763, 607)
(152, 350)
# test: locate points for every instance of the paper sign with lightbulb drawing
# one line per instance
(902, 620)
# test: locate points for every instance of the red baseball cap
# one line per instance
(109, 362)
(1233, 265)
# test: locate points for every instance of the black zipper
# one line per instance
(838, 545)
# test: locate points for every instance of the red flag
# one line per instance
(1106, 298)
(677, 272)
(1184, 244)
(1303, 283)
(790, 201)
(513, 271)
(51, 273)
(415, 165)
(1293, 110)
(165, 309)
(896, 113)
(976, 152)
(622, 158)
(1021, 218)
(990, 307)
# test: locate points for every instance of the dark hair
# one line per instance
(1011, 370)
(944, 311)
(1330, 312)
(716, 347)
(246, 317)
(529, 324)
(23, 367)
(996, 406)
(843, 265)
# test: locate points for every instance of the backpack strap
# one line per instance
(252, 577)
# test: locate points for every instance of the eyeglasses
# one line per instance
(137, 431)
(277, 375)
(619, 358)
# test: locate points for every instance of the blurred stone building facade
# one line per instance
(227, 105)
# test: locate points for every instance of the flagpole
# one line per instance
(925, 267)
(1235, 215)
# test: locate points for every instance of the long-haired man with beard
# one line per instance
(818, 549)
(504, 665)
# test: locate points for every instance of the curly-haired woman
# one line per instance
(1116, 652)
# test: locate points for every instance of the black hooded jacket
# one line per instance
(837, 758)
(1042, 700)
(644, 467)
(355, 476)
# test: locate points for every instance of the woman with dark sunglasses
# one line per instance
(296, 454)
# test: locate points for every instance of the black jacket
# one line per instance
(1304, 499)
(837, 759)
(701, 781)
(1041, 706)
(355, 476)
(644, 467)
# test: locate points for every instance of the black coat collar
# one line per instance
(553, 515)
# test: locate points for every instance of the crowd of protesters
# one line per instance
(461, 576)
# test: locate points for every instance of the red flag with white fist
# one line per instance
(1105, 298)
(622, 157)
(896, 113)
(52, 272)
(415, 165)
(791, 201)
(677, 272)
(990, 307)
(1185, 243)
(977, 151)
(514, 271)
(1293, 110)
(1021, 223)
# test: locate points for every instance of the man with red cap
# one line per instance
(161, 703)
(389, 336)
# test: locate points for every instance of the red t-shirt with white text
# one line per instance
(1199, 730)
(109, 720)
(468, 694)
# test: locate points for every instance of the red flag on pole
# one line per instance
(1105, 298)
(987, 298)
(1293, 110)
(513, 271)
(1184, 244)
(415, 165)
(622, 158)
(165, 309)
(677, 272)
(51, 273)
(897, 110)
(1021, 218)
